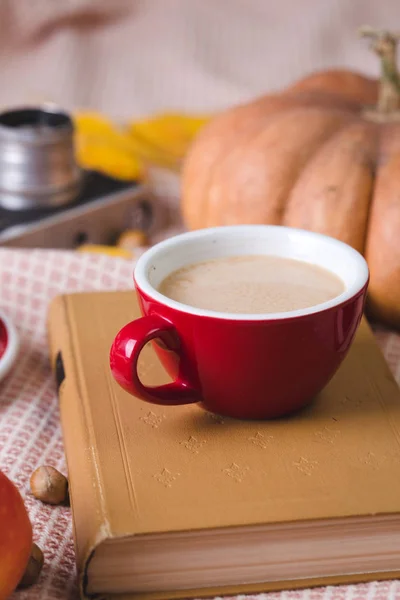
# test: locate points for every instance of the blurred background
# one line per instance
(132, 58)
(139, 79)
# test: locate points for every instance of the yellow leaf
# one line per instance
(102, 146)
(92, 122)
(108, 159)
(108, 250)
(161, 140)
(165, 138)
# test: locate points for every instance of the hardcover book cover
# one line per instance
(140, 474)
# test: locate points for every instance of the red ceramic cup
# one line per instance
(248, 366)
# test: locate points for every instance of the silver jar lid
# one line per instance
(37, 159)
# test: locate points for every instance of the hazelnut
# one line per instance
(49, 485)
(33, 568)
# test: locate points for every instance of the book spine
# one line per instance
(89, 514)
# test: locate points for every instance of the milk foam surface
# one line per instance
(252, 284)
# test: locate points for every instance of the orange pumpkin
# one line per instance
(323, 155)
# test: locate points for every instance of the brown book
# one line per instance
(173, 502)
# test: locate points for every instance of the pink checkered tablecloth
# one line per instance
(30, 433)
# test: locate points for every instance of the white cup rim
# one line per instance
(149, 259)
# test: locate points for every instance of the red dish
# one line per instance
(9, 344)
(3, 338)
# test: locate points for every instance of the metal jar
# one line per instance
(37, 160)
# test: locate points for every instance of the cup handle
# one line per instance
(124, 356)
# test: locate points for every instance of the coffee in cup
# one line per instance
(251, 284)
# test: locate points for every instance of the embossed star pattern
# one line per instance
(152, 419)
(166, 477)
(326, 435)
(193, 444)
(236, 472)
(260, 440)
(305, 466)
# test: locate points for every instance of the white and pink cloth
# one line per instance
(30, 433)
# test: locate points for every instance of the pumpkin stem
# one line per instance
(384, 44)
